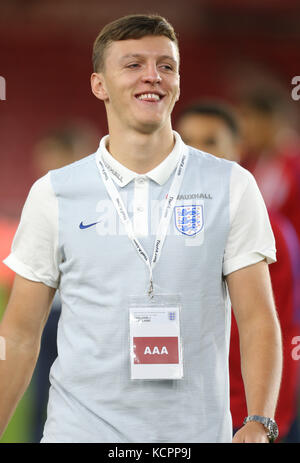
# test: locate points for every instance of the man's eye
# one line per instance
(167, 67)
(132, 65)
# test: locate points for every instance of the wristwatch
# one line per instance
(268, 423)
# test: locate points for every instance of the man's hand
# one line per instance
(251, 433)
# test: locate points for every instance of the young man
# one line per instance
(143, 239)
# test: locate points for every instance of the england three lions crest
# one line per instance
(189, 220)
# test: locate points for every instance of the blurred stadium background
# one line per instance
(45, 58)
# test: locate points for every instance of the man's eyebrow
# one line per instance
(169, 58)
(139, 55)
(130, 55)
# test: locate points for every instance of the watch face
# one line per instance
(272, 426)
(274, 429)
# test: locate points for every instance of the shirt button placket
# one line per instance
(140, 219)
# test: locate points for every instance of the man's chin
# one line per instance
(148, 127)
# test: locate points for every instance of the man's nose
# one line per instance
(151, 74)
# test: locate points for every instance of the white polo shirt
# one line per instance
(248, 237)
(70, 237)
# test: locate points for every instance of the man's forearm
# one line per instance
(261, 361)
(15, 374)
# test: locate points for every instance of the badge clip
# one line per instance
(150, 290)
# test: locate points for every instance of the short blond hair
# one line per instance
(133, 26)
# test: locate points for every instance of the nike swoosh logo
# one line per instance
(83, 227)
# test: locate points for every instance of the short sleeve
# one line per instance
(250, 238)
(34, 252)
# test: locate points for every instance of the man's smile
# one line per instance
(150, 97)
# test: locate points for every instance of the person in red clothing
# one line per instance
(271, 150)
(213, 127)
(282, 276)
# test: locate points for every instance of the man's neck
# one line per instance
(141, 152)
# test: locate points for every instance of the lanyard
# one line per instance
(165, 218)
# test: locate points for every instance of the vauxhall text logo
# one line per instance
(2, 88)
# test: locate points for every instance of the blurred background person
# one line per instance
(63, 144)
(60, 146)
(271, 147)
(57, 147)
(213, 127)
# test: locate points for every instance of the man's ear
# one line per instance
(98, 86)
(178, 94)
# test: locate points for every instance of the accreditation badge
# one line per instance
(155, 338)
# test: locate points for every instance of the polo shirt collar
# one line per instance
(160, 174)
